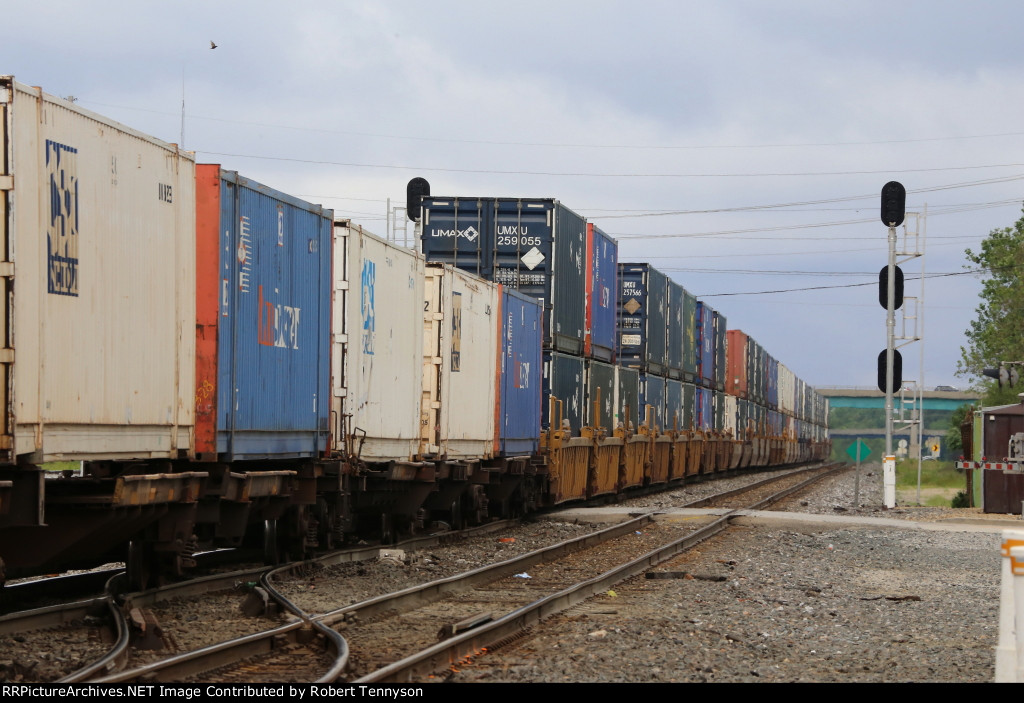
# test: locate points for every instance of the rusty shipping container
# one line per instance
(736, 362)
(98, 271)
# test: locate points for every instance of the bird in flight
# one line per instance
(212, 45)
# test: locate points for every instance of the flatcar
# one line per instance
(233, 365)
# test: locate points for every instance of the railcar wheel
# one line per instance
(325, 524)
(271, 546)
(457, 520)
(138, 565)
(387, 529)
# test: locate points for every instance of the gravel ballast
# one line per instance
(787, 602)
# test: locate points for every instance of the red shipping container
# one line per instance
(736, 363)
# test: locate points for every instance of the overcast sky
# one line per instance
(738, 146)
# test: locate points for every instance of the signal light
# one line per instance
(897, 370)
(1005, 376)
(883, 288)
(417, 189)
(894, 204)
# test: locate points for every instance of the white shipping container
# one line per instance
(787, 390)
(460, 364)
(98, 271)
(730, 414)
(377, 348)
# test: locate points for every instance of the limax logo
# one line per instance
(367, 283)
(62, 227)
(469, 233)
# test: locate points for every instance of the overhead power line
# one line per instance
(568, 145)
(845, 285)
(584, 174)
(824, 201)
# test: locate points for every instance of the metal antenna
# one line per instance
(182, 142)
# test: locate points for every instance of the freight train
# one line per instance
(231, 365)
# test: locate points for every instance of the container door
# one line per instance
(563, 379)
(523, 240)
(601, 383)
(602, 272)
(339, 333)
(627, 394)
(6, 278)
(458, 232)
(519, 412)
(568, 296)
(674, 415)
(273, 378)
(675, 329)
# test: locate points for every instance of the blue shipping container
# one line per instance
(676, 336)
(675, 416)
(273, 348)
(705, 410)
(563, 379)
(602, 272)
(652, 393)
(627, 396)
(601, 391)
(771, 394)
(521, 368)
(535, 245)
(705, 345)
(721, 339)
(643, 318)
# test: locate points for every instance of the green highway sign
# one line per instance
(852, 450)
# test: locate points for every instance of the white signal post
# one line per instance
(889, 462)
(894, 197)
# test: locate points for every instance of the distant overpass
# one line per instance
(874, 398)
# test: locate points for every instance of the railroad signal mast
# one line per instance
(890, 361)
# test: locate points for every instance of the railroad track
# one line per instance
(514, 621)
(296, 646)
(91, 637)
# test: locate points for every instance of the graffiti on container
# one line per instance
(366, 285)
(62, 228)
(278, 324)
(244, 254)
(203, 392)
(456, 331)
(521, 377)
